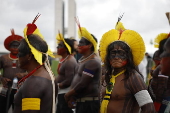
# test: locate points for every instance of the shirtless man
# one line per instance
(66, 72)
(85, 85)
(36, 90)
(125, 91)
(9, 65)
(165, 65)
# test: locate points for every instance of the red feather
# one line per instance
(31, 27)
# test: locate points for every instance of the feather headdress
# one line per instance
(11, 38)
(162, 36)
(130, 37)
(31, 28)
(83, 33)
(168, 16)
(159, 38)
(60, 38)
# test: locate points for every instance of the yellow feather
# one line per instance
(119, 26)
(131, 38)
(160, 37)
(85, 34)
(60, 38)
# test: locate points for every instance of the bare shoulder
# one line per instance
(135, 83)
(95, 61)
(71, 60)
(42, 72)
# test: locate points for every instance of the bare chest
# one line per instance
(119, 91)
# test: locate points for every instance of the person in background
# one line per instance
(121, 51)
(66, 72)
(86, 83)
(75, 53)
(165, 66)
(142, 68)
(10, 70)
(158, 84)
(149, 64)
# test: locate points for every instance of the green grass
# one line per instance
(54, 66)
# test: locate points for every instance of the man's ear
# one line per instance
(30, 55)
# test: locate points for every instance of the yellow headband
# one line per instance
(60, 38)
(37, 54)
(83, 33)
(130, 37)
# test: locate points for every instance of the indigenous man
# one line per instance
(121, 51)
(85, 85)
(165, 65)
(9, 65)
(158, 84)
(36, 93)
(75, 53)
(66, 72)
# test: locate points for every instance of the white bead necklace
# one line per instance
(64, 59)
(83, 59)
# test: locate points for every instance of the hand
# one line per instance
(72, 103)
(66, 96)
(20, 75)
(5, 81)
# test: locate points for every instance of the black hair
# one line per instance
(130, 66)
(70, 42)
(156, 53)
(37, 42)
(161, 45)
(88, 42)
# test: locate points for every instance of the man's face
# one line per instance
(156, 58)
(14, 47)
(165, 59)
(83, 47)
(75, 46)
(118, 57)
(61, 49)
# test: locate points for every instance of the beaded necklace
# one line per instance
(28, 75)
(83, 59)
(12, 57)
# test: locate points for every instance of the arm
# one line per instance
(69, 74)
(37, 95)
(3, 80)
(87, 76)
(138, 89)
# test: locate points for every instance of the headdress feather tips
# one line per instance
(168, 16)
(12, 32)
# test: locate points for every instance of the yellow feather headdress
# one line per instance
(31, 28)
(60, 38)
(130, 37)
(83, 33)
(159, 38)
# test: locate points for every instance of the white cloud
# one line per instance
(144, 16)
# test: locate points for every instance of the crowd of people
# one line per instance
(90, 80)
